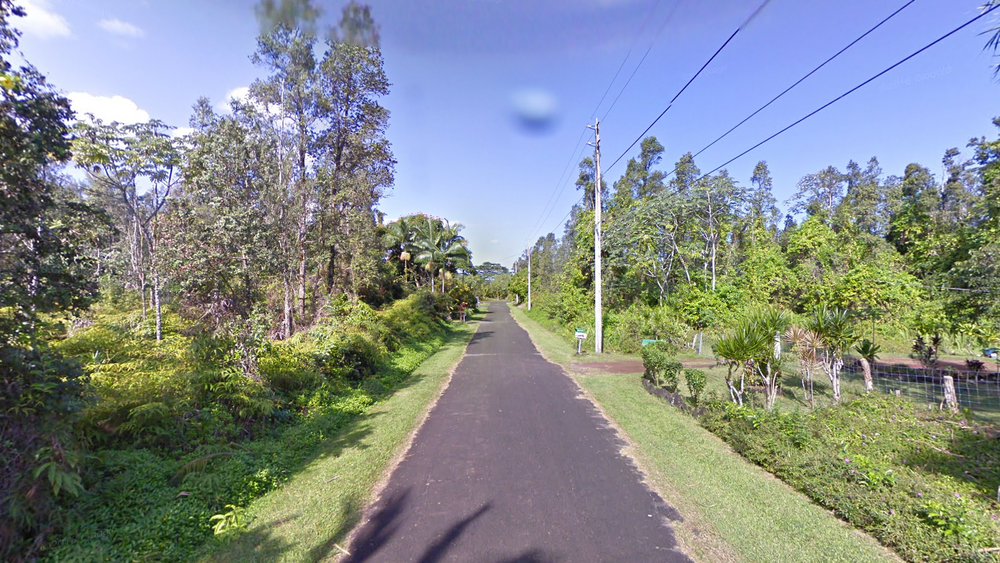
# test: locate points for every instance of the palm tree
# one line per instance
(440, 248)
(399, 237)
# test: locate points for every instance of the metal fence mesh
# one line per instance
(977, 388)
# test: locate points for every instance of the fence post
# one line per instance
(950, 399)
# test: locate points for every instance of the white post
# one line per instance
(598, 313)
(529, 278)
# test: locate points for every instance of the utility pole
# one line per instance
(529, 278)
(598, 313)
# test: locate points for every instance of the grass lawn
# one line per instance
(306, 518)
(733, 510)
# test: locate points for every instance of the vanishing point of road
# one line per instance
(513, 465)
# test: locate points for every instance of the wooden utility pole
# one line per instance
(598, 313)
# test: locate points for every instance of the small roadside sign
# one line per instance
(579, 333)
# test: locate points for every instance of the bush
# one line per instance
(627, 329)
(696, 380)
(659, 365)
(922, 483)
(40, 394)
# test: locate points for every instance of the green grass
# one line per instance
(315, 509)
(732, 509)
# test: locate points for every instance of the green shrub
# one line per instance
(462, 293)
(626, 329)
(696, 380)
(660, 367)
(41, 393)
(923, 483)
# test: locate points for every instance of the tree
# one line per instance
(441, 249)
(641, 180)
(139, 165)
(806, 344)
(753, 349)
(819, 193)
(762, 209)
(42, 270)
(226, 220)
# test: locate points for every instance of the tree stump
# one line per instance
(950, 398)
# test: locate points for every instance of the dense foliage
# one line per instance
(178, 435)
(687, 253)
(183, 328)
(923, 483)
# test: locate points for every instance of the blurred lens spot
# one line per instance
(534, 110)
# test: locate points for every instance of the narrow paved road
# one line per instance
(511, 466)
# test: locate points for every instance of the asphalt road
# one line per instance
(512, 466)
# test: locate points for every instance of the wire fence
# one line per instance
(977, 386)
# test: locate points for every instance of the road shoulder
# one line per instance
(732, 510)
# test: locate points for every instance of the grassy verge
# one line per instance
(733, 510)
(306, 518)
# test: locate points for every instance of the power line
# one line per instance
(700, 70)
(670, 17)
(560, 186)
(856, 88)
(799, 81)
(560, 182)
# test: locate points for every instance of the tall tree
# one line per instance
(139, 166)
(42, 270)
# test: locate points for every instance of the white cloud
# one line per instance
(108, 109)
(241, 94)
(181, 131)
(40, 21)
(495, 241)
(122, 28)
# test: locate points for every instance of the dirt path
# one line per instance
(633, 366)
(512, 466)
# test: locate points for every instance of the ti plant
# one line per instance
(868, 351)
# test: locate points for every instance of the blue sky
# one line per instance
(459, 67)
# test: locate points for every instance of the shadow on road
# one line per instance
(382, 526)
(437, 550)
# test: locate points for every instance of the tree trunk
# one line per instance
(867, 369)
(302, 280)
(156, 302)
(286, 325)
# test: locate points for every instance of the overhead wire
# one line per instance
(692, 79)
(670, 17)
(801, 80)
(983, 14)
(561, 182)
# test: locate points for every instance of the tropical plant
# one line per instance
(441, 249)
(805, 343)
(868, 351)
(754, 349)
(835, 328)
(926, 350)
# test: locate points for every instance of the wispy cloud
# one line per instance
(241, 94)
(41, 21)
(123, 28)
(181, 132)
(105, 108)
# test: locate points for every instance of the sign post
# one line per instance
(580, 337)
